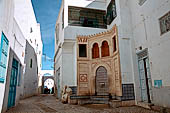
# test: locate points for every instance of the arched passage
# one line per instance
(48, 84)
(102, 86)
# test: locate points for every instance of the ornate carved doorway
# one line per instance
(102, 86)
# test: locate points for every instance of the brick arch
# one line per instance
(101, 41)
(105, 49)
(108, 68)
(95, 51)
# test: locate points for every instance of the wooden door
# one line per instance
(102, 86)
(145, 77)
(13, 84)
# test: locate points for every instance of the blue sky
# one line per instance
(46, 12)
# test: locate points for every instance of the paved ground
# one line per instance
(48, 104)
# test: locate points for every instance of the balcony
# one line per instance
(86, 17)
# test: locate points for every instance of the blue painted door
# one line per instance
(13, 84)
(145, 77)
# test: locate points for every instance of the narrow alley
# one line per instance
(84, 56)
(49, 104)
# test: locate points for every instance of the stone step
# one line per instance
(99, 99)
(93, 102)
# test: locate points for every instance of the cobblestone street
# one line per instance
(48, 104)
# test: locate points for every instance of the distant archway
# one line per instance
(48, 84)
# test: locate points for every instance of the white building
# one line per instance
(31, 30)
(6, 13)
(13, 57)
(12, 52)
(66, 46)
(150, 45)
(139, 45)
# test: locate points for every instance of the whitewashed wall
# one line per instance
(26, 19)
(146, 33)
(17, 50)
(30, 79)
(6, 20)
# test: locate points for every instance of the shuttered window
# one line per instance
(3, 57)
(105, 49)
(95, 51)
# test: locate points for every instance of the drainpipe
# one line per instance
(144, 23)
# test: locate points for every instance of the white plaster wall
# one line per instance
(25, 17)
(68, 73)
(6, 20)
(123, 22)
(58, 50)
(158, 44)
(58, 65)
(27, 20)
(30, 80)
(71, 32)
(18, 42)
(146, 33)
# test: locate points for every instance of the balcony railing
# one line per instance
(87, 17)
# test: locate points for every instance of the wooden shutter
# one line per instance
(3, 57)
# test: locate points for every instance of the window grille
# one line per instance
(165, 23)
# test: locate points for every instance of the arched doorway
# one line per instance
(48, 84)
(102, 85)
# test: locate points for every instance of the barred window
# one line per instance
(165, 23)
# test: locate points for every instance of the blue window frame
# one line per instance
(3, 57)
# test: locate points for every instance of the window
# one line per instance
(57, 34)
(111, 12)
(89, 22)
(105, 49)
(19, 74)
(63, 19)
(95, 51)
(86, 17)
(31, 30)
(3, 57)
(82, 50)
(141, 2)
(31, 63)
(165, 23)
(114, 44)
